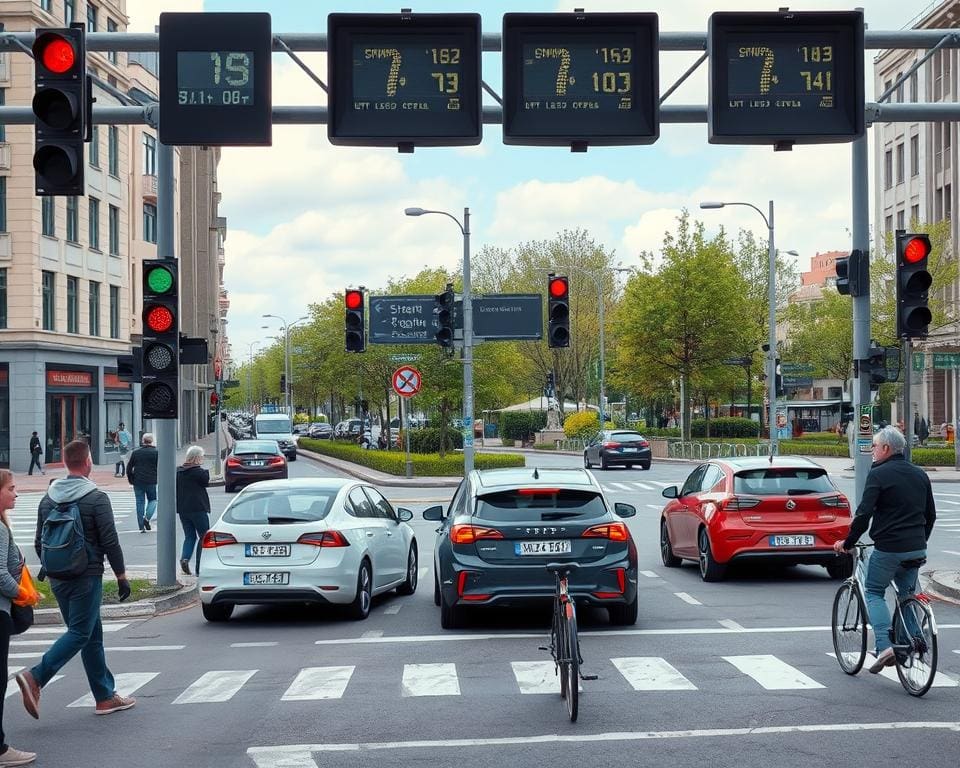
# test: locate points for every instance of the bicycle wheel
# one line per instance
(559, 644)
(915, 629)
(849, 623)
(573, 664)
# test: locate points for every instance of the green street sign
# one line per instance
(229, 383)
(918, 361)
(944, 361)
(796, 367)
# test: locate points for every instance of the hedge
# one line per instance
(801, 448)
(725, 427)
(424, 464)
(933, 457)
(520, 425)
(428, 440)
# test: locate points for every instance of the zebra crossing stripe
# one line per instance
(537, 676)
(772, 673)
(315, 683)
(651, 673)
(619, 486)
(12, 688)
(215, 687)
(125, 683)
(430, 680)
(941, 680)
(645, 486)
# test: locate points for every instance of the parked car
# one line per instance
(300, 429)
(751, 509)
(320, 431)
(612, 447)
(253, 460)
(504, 525)
(330, 541)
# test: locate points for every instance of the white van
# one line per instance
(276, 426)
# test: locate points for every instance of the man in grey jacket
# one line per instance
(79, 598)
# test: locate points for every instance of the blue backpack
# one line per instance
(63, 546)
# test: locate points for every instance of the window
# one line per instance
(49, 215)
(49, 300)
(692, 484)
(112, 27)
(947, 143)
(150, 222)
(947, 202)
(3, 203)
(91, 17)
(362, 507)
(781, 480)
(95, 147)
(914, 87)
(68, 12)
(301, 506)
(3, 127)
(113, 151)
(114, 311)
(887, 86)
(3, 298)
(113, 223)
(937, 75)
(94, 220)
(149, 155)
(914, 216)
(94, 308)
(900, 222)
(937, 147)
(946, 71)
(73, 304)
(46, 5)
(888, 224)
(914, 155)
(73, 220)
(900, 90)
(900, 163)
(888, 169)
(380, 504)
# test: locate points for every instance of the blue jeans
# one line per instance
(881, 569)
(195, 525)
(79, 601)
(148, 493)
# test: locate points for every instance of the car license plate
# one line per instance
(256, 463)
(268, 550)
(281, 578)
(629, 450)
(792, 540)
(543, 547)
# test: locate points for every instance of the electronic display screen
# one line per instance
(223, 78)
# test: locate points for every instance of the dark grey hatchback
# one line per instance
(504, 525)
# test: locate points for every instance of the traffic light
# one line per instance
(853, 278)
(913, 284)
(883, 364)
(843, 276)
(558, 311)
(214, 402)
(353, 301)
(61, 108)
(160, 352)
(778, 379)
(444, 308)
(283, 383)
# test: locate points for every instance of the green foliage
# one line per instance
(301, 418)
(581, 425)
(803, 448)
(424, 465)
(520, 425)
(933, 457)
(545, 446)
(665, 432)
(428, 440)
(725, 427)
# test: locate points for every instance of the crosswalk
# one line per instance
(632, 486)
(23, 517)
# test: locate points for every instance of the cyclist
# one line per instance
(898, 506)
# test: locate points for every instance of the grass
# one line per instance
(139, 589)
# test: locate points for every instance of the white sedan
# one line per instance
(332, 541)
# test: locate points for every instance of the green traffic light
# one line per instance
(160, 280)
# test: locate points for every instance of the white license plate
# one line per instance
(266, 578)
(256, 463)
(543, 547)
(268, 550)
(629, 450)
(792, 540)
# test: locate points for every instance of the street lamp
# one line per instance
(772, 314)
(250, 347)
(286, 359)
(467, 332)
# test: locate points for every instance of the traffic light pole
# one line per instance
(861, 310)
(467, 350)
(907, 397)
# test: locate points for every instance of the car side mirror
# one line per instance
(434, 514)
(404, 515)
(670, 492)
(624, 510)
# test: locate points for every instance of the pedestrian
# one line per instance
(193, 505)
(897, 504)
(122, 443)
(79, 598)
(35, 450)
(142, 475)
(11, 565)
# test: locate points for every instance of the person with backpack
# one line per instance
(75, 530)
(35, 450)
(142, 475)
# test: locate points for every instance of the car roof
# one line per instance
(759, 462)
(305, 484)
(488, 480)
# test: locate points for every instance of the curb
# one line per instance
(946, 592)
(186, 595)
(379, 478)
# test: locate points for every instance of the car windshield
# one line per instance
(294, 506)
(273, 426)
(770, 481)
(627, 437)
(255, 446)
(524, 504)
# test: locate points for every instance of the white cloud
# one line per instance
(144, 15)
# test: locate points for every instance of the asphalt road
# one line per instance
(733, 673)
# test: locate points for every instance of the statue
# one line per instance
(553, 414)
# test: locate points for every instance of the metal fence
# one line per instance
(700, 451)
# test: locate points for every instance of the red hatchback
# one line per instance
(785, 511)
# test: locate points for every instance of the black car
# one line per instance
(613, 447)
(253, 460)
(504, 525)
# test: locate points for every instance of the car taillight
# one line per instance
(214, 539)
(324, 539)
(233, 461)
(467, 534)
(621, 583)
(462, 585)
(275, 461)
(537, 491)
(644, 444)
(739, 502)
(612, 531)
(835, 502)
(610, 446)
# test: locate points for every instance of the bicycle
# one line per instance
(913, 629)
(564, 642)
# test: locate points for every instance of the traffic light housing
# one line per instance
(214, 401)
(160, 350)
(883, 364)
(283, 383)
(853, 277)
(558, 311)
(913, 285)
(62, 110)
(354, 320)
(445, 308)
(778, 379)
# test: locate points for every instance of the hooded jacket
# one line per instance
(99, 528)
(192, 495)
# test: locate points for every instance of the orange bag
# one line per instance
(29, 595)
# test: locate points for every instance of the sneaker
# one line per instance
(30, 692)
(146, 524)
(115, 703)
(17, 757)
(185, 566)
(884, 659)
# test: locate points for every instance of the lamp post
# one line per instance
(286, 360)
(467, 332)
(250, 347)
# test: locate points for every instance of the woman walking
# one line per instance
(11, 564)
(193, 505)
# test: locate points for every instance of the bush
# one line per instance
(424, 464)
(805, 448)
(545, 446)
(583, 424)
(520, 425)
(725, 427)
(657, 432)
(428, 440)
(933, 457)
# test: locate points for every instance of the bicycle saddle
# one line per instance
(915, 563)
(562, 567)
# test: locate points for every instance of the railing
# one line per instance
(699, 450)
(571, 444)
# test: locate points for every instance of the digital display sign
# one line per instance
(404, 80)
(580, 78)
(786, 77)
(215, 72)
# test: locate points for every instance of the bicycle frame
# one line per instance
(563, 608)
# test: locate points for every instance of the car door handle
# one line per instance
(389, 533)
(371, 534)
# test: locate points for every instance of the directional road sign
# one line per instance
(508, 316)
(402, 320)
(406, 381)
(796, 367)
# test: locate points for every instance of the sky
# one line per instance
(306, 219)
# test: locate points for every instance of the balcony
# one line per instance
(149, 185)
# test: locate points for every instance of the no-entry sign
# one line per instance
(406, 381)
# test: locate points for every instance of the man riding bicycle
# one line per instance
(898, 498)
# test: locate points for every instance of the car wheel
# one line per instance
(603, 462)
(667, 557)
(436, 590)
(710, 569)
(449, 615)
(360, 607)
(645, 465)
(586, 461)
(228, 489)
(217, 611)
(624, 615)
(841, 569)
(410, 585)
(292, 458)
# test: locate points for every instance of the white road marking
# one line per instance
(942, 680)
(772, 673)
(430, 680)
(215, 686)
(38, 641)
(318, 683)
(537, 676)
(661, 484)
(125, 683)
(946, 501)
(25, 655)
(645, 486)
(650, 574)
(652, 673)
(394, 609)
(60, 629)
(372, 633)
(688, 598)
(145, 648)
(13, 688)
(617, 487)
(423, 572)
(950, 552)
(263, 644)
(654, 506)
(11, 671)
(730, 624)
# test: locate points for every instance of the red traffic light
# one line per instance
(159, 319)
(916, 249)
(353, 299)
(214, 399)
(57, 54)
(559, 287)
